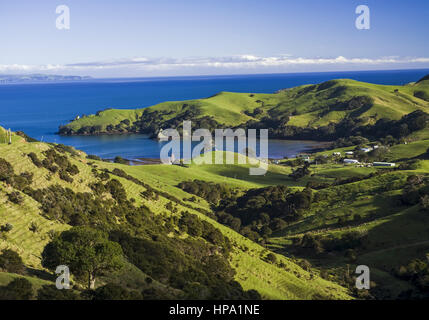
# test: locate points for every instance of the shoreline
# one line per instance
(138, 161)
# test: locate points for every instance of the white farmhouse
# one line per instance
(351, 161)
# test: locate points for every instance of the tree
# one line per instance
(301, 172)
(115, 292)
(6, 170)
(271, 258)
(235, 224)
(10, 261)
(87, 252)
(17, 289)
(119, 159)
(50, 292)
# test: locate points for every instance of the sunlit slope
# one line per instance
(394, 233)
(307, 106)
(272, 280)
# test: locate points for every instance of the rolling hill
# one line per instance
(309, 106)
(297, 232)
(34, 225)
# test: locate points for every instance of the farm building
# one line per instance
(349, 153)
(350, 161)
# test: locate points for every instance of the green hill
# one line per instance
(35, 219)
(296, 232)
(305, 107)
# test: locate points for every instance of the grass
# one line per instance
(396, 234)
(252, 271)
(37, 283)
(273, 282)
(407, 151)
(310, 106)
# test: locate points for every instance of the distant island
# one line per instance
(5, 79)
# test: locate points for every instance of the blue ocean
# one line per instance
(39, 109)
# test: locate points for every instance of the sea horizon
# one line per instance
(39, 109)
(196, 76)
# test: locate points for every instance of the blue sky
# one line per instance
(188, 37)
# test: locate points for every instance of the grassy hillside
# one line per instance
(281, 280)
(309, 106)
(371, 208)
(296, 232)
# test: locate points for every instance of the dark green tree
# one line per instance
(10, 261)
(50, 292)
(87, 252)
(112, 291)
(17, 289)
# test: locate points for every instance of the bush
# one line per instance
(120, 160)
(192, 224)
(305, 264)
(15, 197)
(72, 169)
(65, 176)
(421, 95)
(35, 159)
(115, 292)
(34, 227)
(93, 157)
(6, 228)
(17, 289)
(271, 257)
(50, 292)
(10, 261)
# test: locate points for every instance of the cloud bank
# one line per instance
(140, 65)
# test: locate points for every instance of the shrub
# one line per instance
(35, 159)
(65, 176)
(120, 160)
(305, 264)
(17, 289)
(6, 228)
(10, 261)
(6, 170)
(50, 292)
(421, 95)
(115, 292)
(63, 149)
(72, 169)
(192, 224)
(271, 257)
(93, 157)
(34, 227)
(15, 197)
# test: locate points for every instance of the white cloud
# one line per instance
(228, 62)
